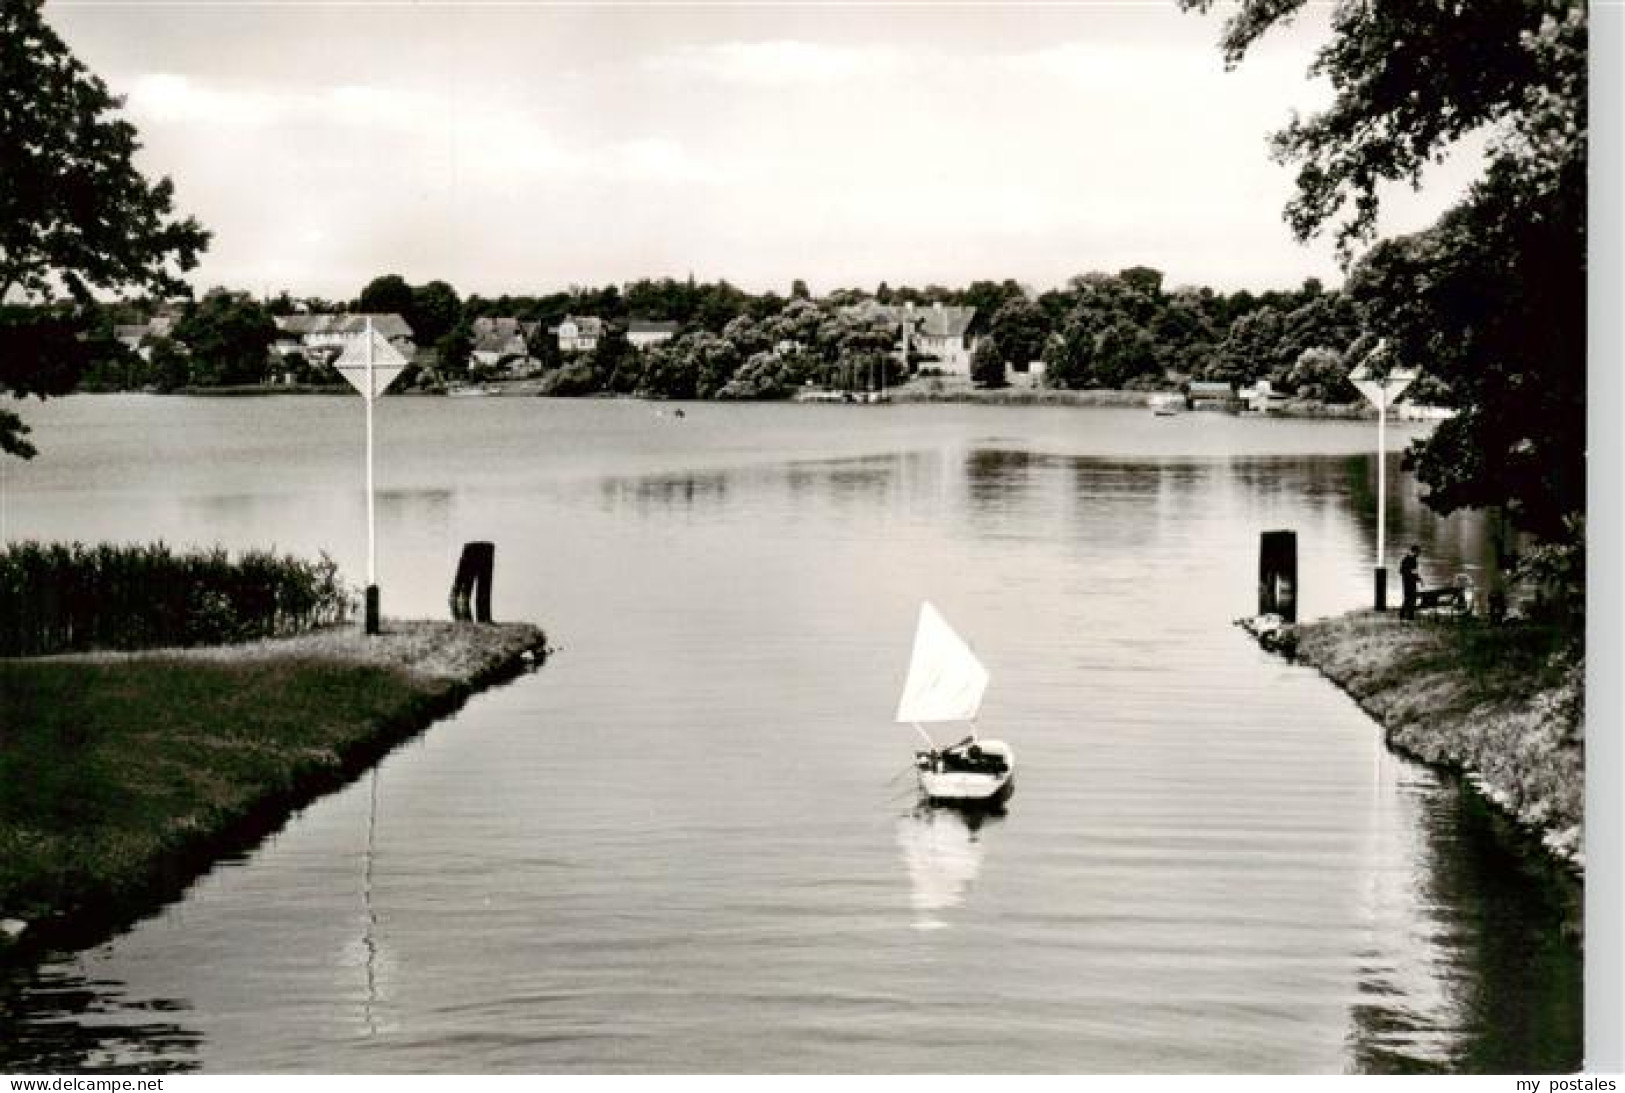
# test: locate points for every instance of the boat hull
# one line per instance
(972, 791)
(969, 788)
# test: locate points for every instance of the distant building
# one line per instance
(296, 332)
(579, 333)
(138, 336)
(1262, 398)
(945, 333)
(1027, 374)
(643, 333)
(497, 340)
(1212, 395)
(504, 327)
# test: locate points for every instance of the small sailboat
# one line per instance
(945, 684)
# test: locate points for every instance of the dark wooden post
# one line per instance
(372, 609)
(474, 570)
(1379, 580)
(1278, 574)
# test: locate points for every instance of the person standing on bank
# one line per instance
(1409, 580)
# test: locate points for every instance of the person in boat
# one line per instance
(968, 756)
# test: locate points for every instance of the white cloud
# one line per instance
(781, 63)
(166, 98)
(487, 141)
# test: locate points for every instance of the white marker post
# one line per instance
(1381, 388)
(370, 364)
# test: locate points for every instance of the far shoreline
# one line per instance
(917, 392)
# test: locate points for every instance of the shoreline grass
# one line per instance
(1500, 705)
(123, 776)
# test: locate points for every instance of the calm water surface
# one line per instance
(689, 843)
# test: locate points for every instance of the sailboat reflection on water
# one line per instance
(942, 849)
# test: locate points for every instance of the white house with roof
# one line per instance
(643, 333)
(498, 340)
(137, 336)
(327, 335)
(942, 331)
(1262, 397)
(579, 333)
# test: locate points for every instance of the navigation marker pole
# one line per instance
(372, 526)
(370, 365)
(1381, 390)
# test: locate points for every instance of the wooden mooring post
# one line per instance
(473, 579)
(1278, 574)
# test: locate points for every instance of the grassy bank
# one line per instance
(123, 775)
(1501, 705)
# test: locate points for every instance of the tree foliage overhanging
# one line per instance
(1491, 299)
(76, 216)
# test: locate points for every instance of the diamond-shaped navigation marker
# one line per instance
(1381, 393)
(387, 364)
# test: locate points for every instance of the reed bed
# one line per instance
(69, 597)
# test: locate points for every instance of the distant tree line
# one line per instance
(1099, 330)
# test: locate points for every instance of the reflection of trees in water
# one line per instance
(664, 492)
(57, 1022)
(1461, 542)
(843, 482)
(840, 483)
(1508, 923)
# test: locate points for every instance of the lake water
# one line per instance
(689, 842)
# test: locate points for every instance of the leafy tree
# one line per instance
(1143, 280)
(229, 336)
(543, 346)
(434, 310)
(1069, 357)
(168, 366)
(987, 363)
(110, 364)
(669, 371)
(454, 349)
(1247, 348)
(1411, 79)
(1020, 330)
(40, 355)
(1491, 298)
(799, 290)
(1183, 330)
(1321, 374)
(75, 213)
(386, 295)
(766, 375)
(715, 360)
(614, 359)
(748, 336)
(1123, 355)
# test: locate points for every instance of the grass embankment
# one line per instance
(1502, 705)
(123, 775)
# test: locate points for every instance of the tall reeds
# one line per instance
(57, 597)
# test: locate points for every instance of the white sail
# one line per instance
(945, 680)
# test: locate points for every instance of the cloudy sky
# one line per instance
(522, 147)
